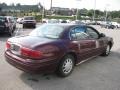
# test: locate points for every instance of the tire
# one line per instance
(66, 66)
(107, 51)
(14, 28)
(34, 26)
(23, 26)
(10, 33)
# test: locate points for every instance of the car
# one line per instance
(77, 22)
(53, 21)
(20, 20)
(108, 25)
(63, 21)
(56, 48)
(116, 25)
(29, 21)
(7, 25)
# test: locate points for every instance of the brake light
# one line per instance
(8, 45)
(31, 53)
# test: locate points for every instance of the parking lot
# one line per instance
(100, 73)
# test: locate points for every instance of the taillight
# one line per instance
(31, 53)
(8, 45)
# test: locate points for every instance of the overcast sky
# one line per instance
(88, 4)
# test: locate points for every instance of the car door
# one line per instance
(81, 39)
(99, 42)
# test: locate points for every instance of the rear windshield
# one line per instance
(48, 31)
(29, 18)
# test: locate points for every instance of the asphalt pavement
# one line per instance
(100, 73)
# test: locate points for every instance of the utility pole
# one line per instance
(51, 6)
(105, 15)
(94, 11)
(106, 12)
(41, 7)
(77, 8)
(77, 14)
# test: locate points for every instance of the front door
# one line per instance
(99, 42)
(84, 44)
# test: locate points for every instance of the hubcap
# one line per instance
(67, 66)
(108, 49)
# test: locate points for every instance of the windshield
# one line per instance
(48, 31)
(29, 18)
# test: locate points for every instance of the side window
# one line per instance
(92, 33)
(78, 33)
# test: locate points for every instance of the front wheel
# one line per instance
(107, 51)
(66, 66)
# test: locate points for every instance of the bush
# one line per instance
(38, 18)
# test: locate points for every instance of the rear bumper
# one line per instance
(31, 66)
(29, 24)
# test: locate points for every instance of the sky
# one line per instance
(88, 4)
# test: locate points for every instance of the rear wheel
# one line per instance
(66, 66)
(10, 33)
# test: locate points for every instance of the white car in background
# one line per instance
(20, 20)
(78, 22)
(117, 25)
(53, 21)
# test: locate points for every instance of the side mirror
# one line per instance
(102, 35)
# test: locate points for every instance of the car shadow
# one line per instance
(51, 81)
(46, 81)
(115, 54)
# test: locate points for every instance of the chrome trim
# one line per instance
(86, 60)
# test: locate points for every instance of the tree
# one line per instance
(12, 4)
(18, 5)
(90, 13)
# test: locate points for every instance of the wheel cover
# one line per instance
(67, 65)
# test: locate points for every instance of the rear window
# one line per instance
(48, 31)
(29, 18)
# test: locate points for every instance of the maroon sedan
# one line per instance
(56, 47)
